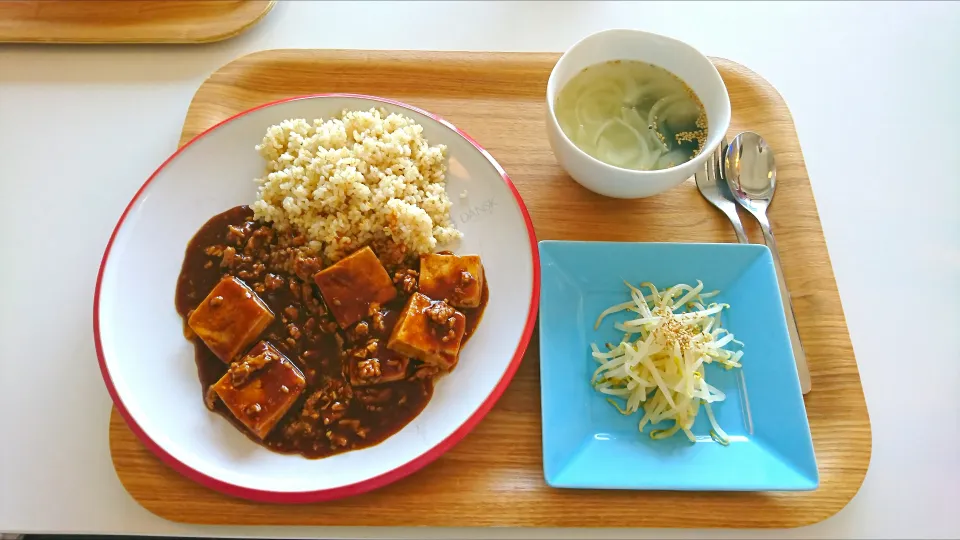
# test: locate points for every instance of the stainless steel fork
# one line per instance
(714, 189)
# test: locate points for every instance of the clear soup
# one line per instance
(633, 115)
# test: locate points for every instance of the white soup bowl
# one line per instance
(695, 69)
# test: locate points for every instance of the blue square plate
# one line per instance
(588, 444)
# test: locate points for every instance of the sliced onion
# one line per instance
(623, 152)
(671, 159)
(598, 104)
(658, 107)
(680, 108)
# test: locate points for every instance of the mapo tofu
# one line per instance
(353, 389)
(260, 388)
(456, 279)
(351, 286)
(430, 331)
(230, 318)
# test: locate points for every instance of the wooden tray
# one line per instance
(494, 477)
(127, 21)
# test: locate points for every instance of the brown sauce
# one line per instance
(305, 333)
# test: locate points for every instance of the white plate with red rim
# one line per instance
(148, 366)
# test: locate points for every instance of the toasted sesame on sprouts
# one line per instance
(659, 365)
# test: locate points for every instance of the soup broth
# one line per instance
(632, 115)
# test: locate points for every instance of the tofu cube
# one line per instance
(352, 284)
(260, 388)
(429, 331)
(458, 279)
(230, 318)
(386, 366)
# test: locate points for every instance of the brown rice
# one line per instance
(355, 179)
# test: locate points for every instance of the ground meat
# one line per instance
(406, 281)
(214, 251)
(378, 320)
(252, 245)
(293, 331)
(263, 234)
(442, 322)
(393, 363)
(375, 395)
(328, 404)
(298, 428)
(337, 439)
(236, 235)
(390, 253)
(368, 369)
(306, 267)
(328, 326)
(280, 260)
(439, 313)
(359, 331)
(351, 423)
(310, 300)
(425, 372)
(295, 289)
(273, 282)
(466, 279)
(240, 372)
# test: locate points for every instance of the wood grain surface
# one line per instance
(494, 476)
(127, 21)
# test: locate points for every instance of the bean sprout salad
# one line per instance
(659, 364)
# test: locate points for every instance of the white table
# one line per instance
(873, 91)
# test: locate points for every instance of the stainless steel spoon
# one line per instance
(751, 174)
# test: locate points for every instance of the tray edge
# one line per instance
(205, 38)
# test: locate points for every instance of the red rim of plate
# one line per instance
(371, 483)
